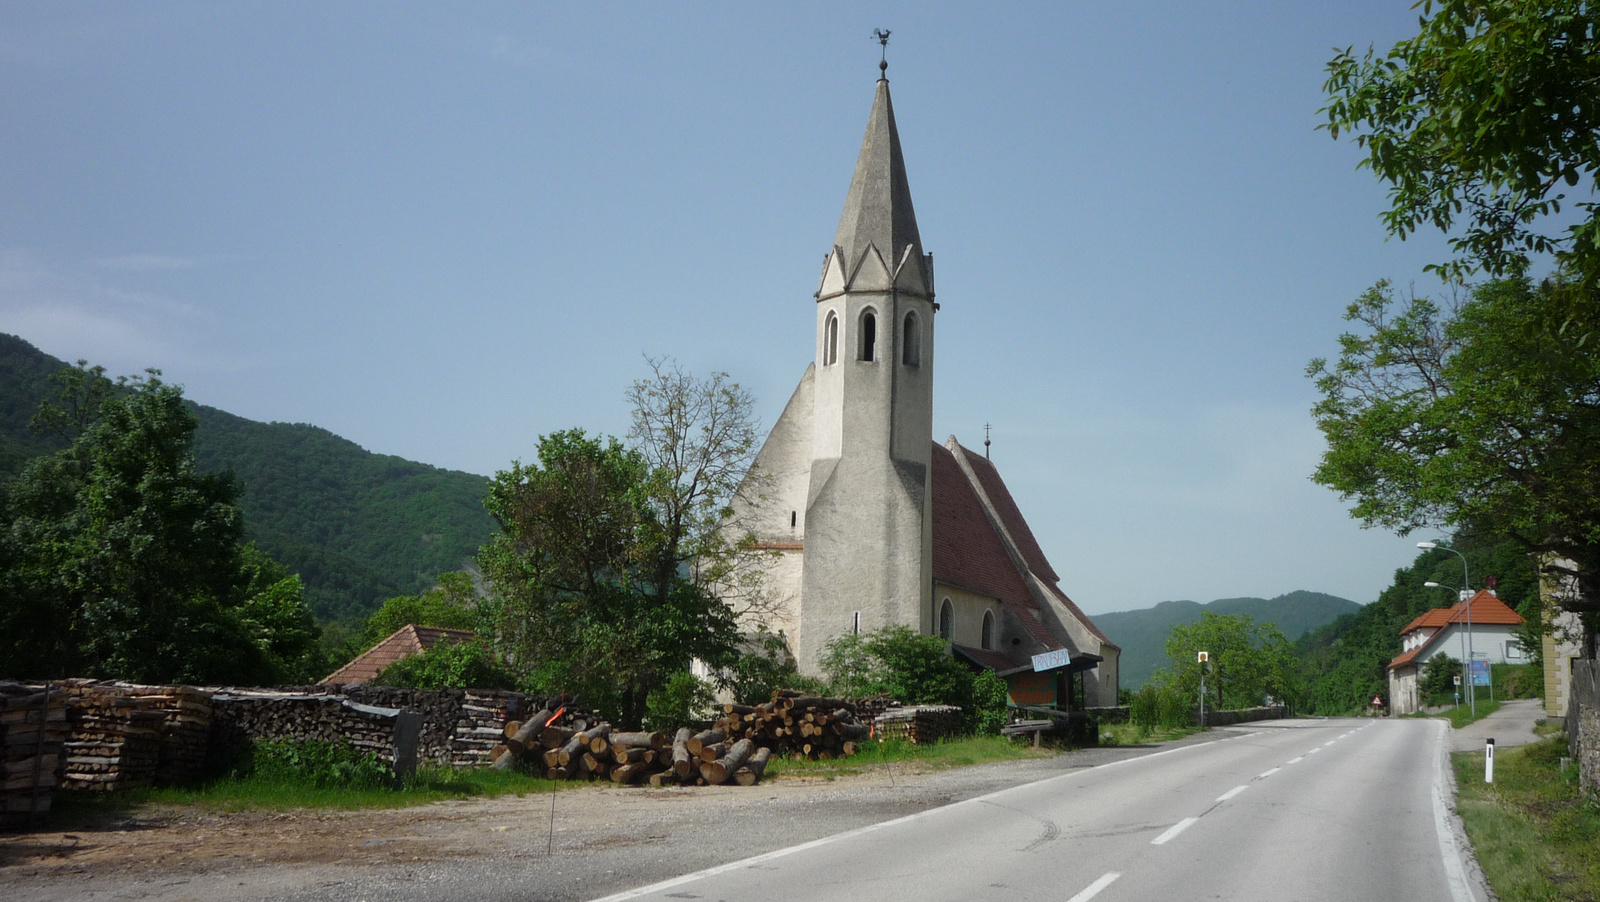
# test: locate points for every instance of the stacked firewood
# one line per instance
(919, 724)
(736, 749)
(33, 726)
(115, 740)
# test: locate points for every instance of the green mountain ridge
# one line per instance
(1142, 633)
(358, 527)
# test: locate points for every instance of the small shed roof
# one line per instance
(404, 642)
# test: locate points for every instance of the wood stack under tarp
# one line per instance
(33, 724)
(919, 724)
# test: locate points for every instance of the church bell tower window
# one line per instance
(910, 342)
(830, 341)
(869, 337)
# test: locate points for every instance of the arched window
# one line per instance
(947, 621)
(988, 629)
(869, 336)
(911, 342)
(830, 340)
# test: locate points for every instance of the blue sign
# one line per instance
(1480, 673)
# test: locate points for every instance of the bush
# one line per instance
(1438, 680)
(322, 765)
(1160, 706)
(765, 665)
(683, 701)
(449, 665)
(991, 706)
(915, 669)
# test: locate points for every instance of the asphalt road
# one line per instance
(1296, 810)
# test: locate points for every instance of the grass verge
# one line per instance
(938, 756)
(1461, 716)
(258, 794)
(1127, 734)
(1533, 830)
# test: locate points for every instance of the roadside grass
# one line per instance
(255, 793)
(1533, 829)
(962, 752)
(1460, 717)
(1127, 734)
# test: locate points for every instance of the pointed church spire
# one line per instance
(877, 210)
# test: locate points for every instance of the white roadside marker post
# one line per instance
(1488, 761)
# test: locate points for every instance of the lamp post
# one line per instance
(1466, 600)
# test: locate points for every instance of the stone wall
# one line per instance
(1244, 715)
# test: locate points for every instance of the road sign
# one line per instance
(1458, 679)
(1480, 673)
(1204, 657)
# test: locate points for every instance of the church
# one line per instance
(868, 521)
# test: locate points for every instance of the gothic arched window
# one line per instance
(869, 336)
(911, 342)
(988, 629)
(830, 340)
(947, 621)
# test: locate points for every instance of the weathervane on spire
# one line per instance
(985, 441)
(881, 35)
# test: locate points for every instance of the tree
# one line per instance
(452, 604)
(698, 438)
(449, 665)
(1475, 414)
(1439, 677)
(118, 559)
(587, 594)
(1248, 661)
(1488, 114)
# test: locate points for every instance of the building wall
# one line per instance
(1404, 692)
(969, 610)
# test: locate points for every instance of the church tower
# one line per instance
(868, 516)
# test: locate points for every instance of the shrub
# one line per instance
(763, 666)
(684, 700)
(323, 765)
(1438, 678)
(990, 705)
(1160, 706)
(449, 665)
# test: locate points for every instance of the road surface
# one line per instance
(1292, 810)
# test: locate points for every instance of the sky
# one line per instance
(443, 230)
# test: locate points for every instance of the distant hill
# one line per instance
(358, 527)
(1142, 634)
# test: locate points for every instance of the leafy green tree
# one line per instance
(450, 665)
(589, 594)
(1487, 115)
(764, 664)
(1438, 680)
(684, 700)
(121, 560)
(899, 662)
(1248, 661)
(1475, 414)
(452, 604)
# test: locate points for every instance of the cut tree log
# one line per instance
(750, 774)
(681, 758)
(718, 771)
(708, 737)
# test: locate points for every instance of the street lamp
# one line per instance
(1466, 600)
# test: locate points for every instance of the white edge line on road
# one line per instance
(860, 831)
(1093, 889)
(1454, 871)
(1267, 773)
(1174, 830)
(1232, 792)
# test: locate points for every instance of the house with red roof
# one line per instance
(404, 642)
(1481, 628)
(867, 520)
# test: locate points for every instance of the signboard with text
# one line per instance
(1051, 660)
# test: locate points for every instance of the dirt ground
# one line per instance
(164, 839)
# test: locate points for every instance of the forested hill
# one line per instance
(1142, 634)
(358, 527)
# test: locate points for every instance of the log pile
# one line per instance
(735, 750)
(241, 716)
(919, 724)
(115, 740)
(33, 726)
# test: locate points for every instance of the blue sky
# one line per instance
(444, 230)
